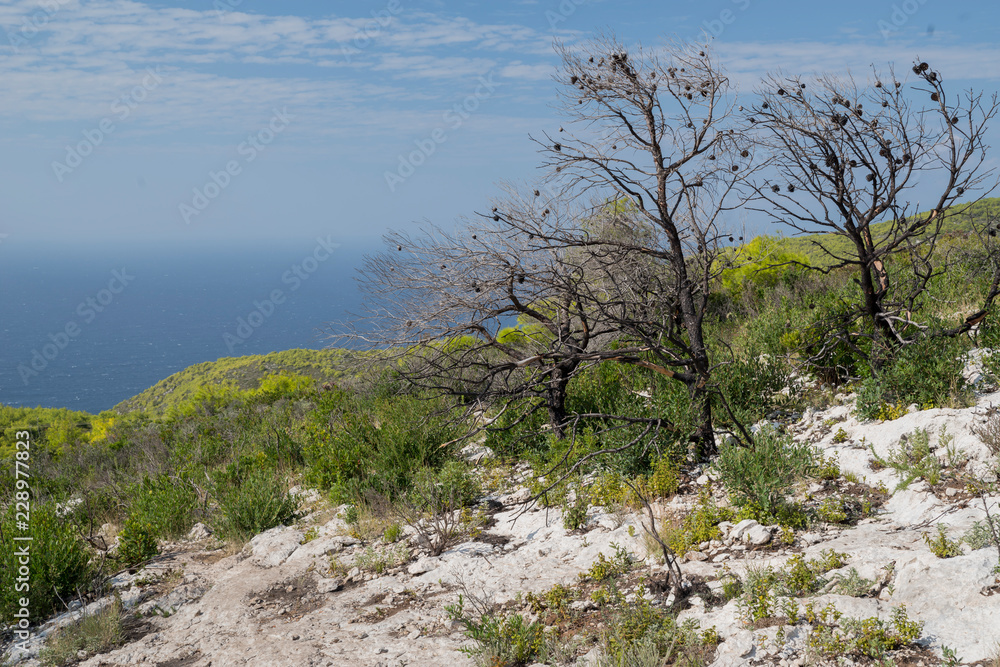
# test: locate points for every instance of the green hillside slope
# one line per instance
(809, 244)
(242, 372)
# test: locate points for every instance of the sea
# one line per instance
(86, 326)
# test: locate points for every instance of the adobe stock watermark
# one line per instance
(715, 27)
(121, 109)
(264, 309)
(563, 12)
(88, 311)
(900, 16)
(21, 626)
(33, 24)
(249, 150)
(452, 119)
(372, 28)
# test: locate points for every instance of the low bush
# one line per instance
(927, 372)
(749, 386)
(699, 525)
(167, 504)
(137, 541)
(253, 504)
(834, 637)
(641, 635)
(941, 545)
(499, 639)
(760, 477)
(58, 563)
(355, 445)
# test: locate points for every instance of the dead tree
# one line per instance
(651, 129)
(487, 313)
(847, 157)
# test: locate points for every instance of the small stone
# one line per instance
(703, 480)
(330, 585)
(199, 531)
(382, 649)
(951, 492)
(295, 638)
(757, 535)
(696, 555)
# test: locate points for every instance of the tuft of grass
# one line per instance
(93, 634)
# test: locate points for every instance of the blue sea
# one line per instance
(85, 327)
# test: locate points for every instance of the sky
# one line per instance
(207, 121)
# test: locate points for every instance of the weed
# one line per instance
(833, 637)
(840, 436)
(989, 430)
(555, 599)
(605, 568)
(940, 545)
(980, 535)
(254, 504)
(853, 584)
(499, 639)
(137, 542)
(950, 657)
(392, 533)
(378, 560)
(575, 514)
(913, 458)
(699, 525)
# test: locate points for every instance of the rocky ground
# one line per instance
(311, 594)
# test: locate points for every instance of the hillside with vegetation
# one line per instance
(589, 428)
(240, 373)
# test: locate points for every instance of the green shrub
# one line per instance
(168, 505)
(605, 568)
(749, 385)
(254, 504)
(980, 535)
(836, 637)
(913, 458)
(449, 488)
(761, 476)
(355, 445)
(59, 563)
(500, 639)
(699, 525)
(137, 541)
(927, 372)
(640, 635)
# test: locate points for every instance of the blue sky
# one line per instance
(228, 120)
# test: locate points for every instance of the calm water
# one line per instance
(86, 329)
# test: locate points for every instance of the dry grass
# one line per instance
(92, 635)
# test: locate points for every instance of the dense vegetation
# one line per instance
(250, 429)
